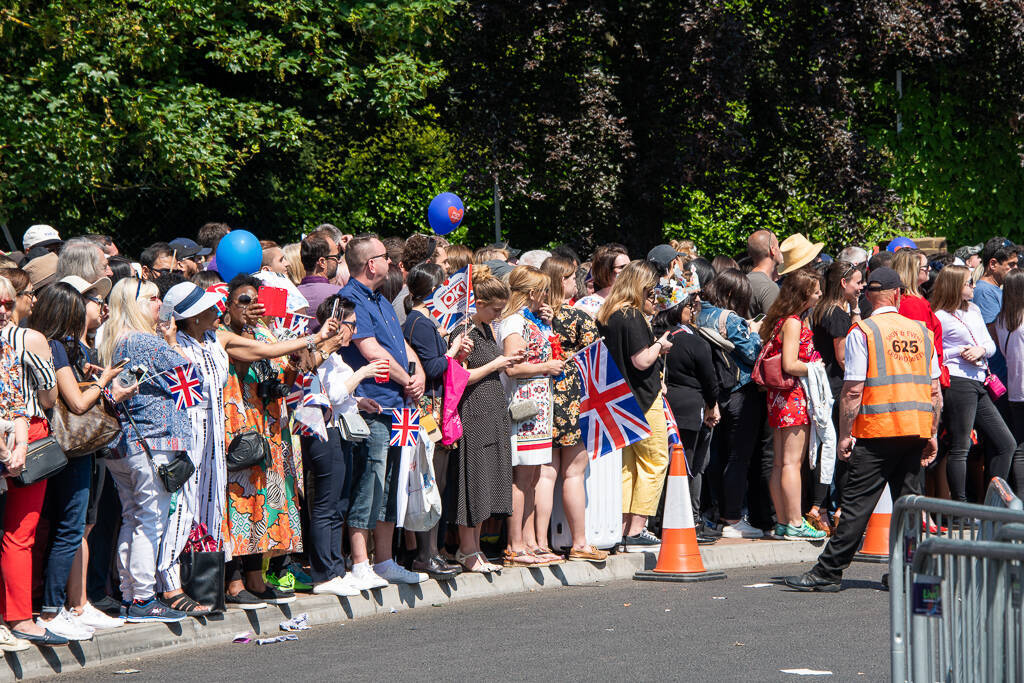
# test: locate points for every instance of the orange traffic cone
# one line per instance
(875, 547)
(678, 559)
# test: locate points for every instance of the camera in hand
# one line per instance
(269, 387)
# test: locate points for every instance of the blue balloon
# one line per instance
(238, 252)
(445, 213)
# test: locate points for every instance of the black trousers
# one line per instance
(328, 463)
(968, 406)
(1017, 426)
(874, 463)
(741, 454)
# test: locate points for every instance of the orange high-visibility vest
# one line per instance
(897, 399)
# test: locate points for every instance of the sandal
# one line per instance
(482, 566)
(521, 559)
(547, 556)
(183, 603)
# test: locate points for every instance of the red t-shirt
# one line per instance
(917, 308)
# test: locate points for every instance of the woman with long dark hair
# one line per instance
(789, 335)
(1010, 339)
(725, 305)
(622, 321)
(966, 348)
(831, 320)
(607, 263)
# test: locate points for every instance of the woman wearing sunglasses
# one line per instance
(262, 506)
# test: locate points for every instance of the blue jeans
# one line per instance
(328, 463)
(68, 493)
(369, 462)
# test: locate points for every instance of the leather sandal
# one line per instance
(521, 559)
(547, 556)
(183, 603)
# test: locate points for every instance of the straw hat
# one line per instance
(797, 252)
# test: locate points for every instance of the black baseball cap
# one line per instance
(883, 278)
(512, 251)
(187, 248)
(663, 255)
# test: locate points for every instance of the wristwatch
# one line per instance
(323, 354)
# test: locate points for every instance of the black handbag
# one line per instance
(174, 474)
(248, 449)
(202, 577)
(44, 458)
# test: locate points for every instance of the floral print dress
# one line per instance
(262, 506)
(531, 438)
(576, 330)
(789, 408)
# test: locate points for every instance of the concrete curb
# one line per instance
(135, 640)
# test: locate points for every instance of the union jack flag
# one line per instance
(405, 427)
(303, 381)
(222, 289)
(610, 417)
(183, 384)
(454, 299)
(291, 325)
(673, 426)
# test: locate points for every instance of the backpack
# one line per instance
(726, 370)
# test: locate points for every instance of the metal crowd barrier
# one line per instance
(953, 570)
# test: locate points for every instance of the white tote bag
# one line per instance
(422, 500)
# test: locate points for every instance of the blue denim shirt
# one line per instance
(375, 317)
(738, 332)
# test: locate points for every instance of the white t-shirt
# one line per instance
(590, 304)
(856, 355)
(514, 324)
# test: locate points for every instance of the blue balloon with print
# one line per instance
(901, 243)
(445, 213)
(239, 251)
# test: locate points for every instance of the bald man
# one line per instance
(765, 255)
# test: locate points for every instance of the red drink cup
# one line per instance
(385, 377)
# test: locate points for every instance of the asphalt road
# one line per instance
(629, 630)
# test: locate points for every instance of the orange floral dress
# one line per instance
(262, 506)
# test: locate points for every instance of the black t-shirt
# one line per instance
(625, 334)
(835, 325)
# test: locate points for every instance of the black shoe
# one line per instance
(810, 581)
(642, 542)
(244, 600)
(707, 539)
(436, 568)
(457, 568)
(885, 582)
(108, 604)
(276, 596)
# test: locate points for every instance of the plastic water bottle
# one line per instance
(126, 378)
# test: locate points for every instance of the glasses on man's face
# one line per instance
(384, 255)
(160, 272)
(336, 257)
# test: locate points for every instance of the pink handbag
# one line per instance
(456, 378)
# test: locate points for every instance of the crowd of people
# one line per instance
(743, 360)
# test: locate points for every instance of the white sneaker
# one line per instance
(741, 529)
(341, 586)
(66, 626)
(366, 579)
(393, 572)
(96, 619)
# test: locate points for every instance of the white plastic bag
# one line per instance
(423, 500)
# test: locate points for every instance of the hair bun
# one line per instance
(481, 272)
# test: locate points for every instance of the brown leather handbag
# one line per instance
(82, 434)
(768, 372)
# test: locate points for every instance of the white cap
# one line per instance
(40, 235)
(187, 299)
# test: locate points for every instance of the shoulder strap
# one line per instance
(723, 316)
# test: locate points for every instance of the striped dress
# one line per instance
(37, 374)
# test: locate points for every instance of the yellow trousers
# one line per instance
(644, 464)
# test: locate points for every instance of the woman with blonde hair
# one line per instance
(623, 322)
(153, 433)
(525, 324)
(965, 353)
(575, 330)
(293, 255)
(785, 332)
(458, 257)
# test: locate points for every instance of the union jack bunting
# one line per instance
(454, 299)
(183, 384)
(673, 426)
(610, 417)
(222, 289)
(405, 427)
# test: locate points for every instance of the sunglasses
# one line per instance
(243, 299)
(7, 303)
(161, 271)
(95, 299)
(351, 324)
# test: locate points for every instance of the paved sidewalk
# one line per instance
(135, 640)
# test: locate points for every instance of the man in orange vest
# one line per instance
(888, 416)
